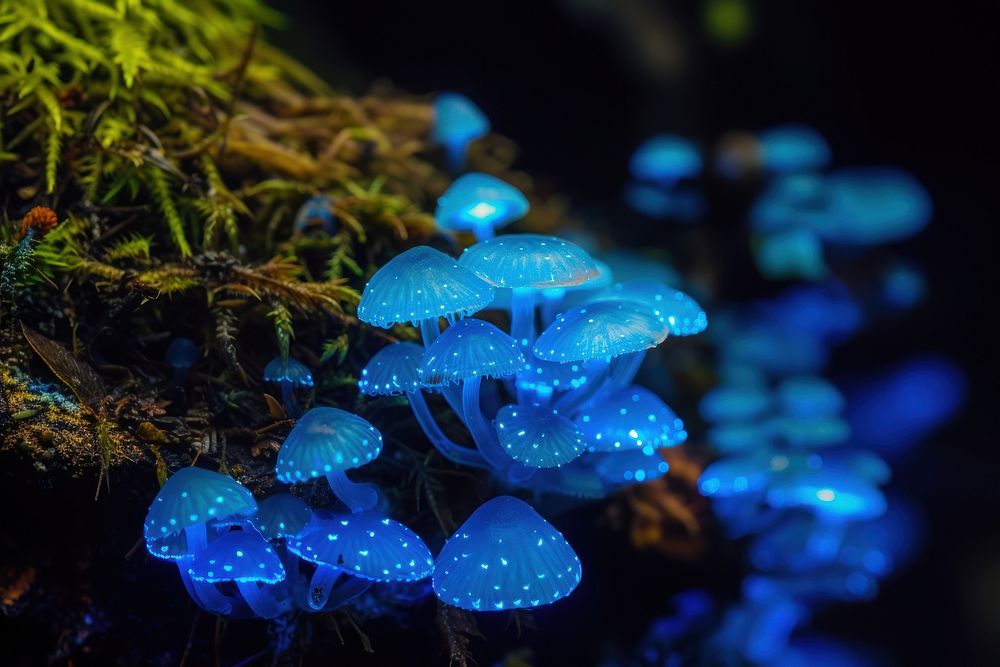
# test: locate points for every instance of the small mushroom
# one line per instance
(457, 122)
(481, 204)
(245, 559)
(288, 374)
(182, 354)
(538, 436)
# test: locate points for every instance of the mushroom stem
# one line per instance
(321, 585)
(575, 398)
(483, 231)
(259, 598)
(429, 331)
(357, 497)
(208, 597)
(825, 539)
(486, 438)
(448, 449)
(180, 375)
(552, 300)
(624, 370)
(522, 316)
(454, 155)
(288, 400)
(196, 536)
(348, 589)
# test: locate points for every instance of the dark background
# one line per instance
(892, 82)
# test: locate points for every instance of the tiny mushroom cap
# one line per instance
(665, 158)
(735, 402)
(505, 556)
(480, 202)
(633, 465)
(809, 396)
(316, 211)
(470, 348)
(324, 440)
(538, 436)
(457, 120)
(681, 312)
(291, 372)
(600, 331)
(282, 515)
(172, 547)
(873, 205)
(182, 353)
(630, 418)
(529, 261)
(833, 494)
(793, 147)
(421, 284)
(194, 496)
(733, 476)
(367, 545)
(241, 556)
(392, 371)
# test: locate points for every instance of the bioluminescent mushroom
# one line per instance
(875, 205)
(903, 285)
(326, 442)
(735, 403)
(830, 584)
(630, 466)
(665, 159)
(827, 311)
(854, 462)
(578, 479)
(538, 436)
(182, 354)
(791, 202)
(366, 545)
(810, 432)
(394, 370)
(739, 437)
(481, 204)
(793, 148)
(505, 556)
(316, 213)
(796, 253)
(809, 396)
(556, 299)
(246, 559)
(419, 286)
(628, 265)
(773, 349)
(677, 203)
(457, 122)
(541, 379)
(282, 515)
(733, 476)
(630, 418)
(466, 353)
(526, 264)
(289, 375)
(681, 312)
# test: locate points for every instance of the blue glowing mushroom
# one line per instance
(182, 354)
(457, 122)
(245, 559)
(630, 418)
(288, 374)
(735, 403)
(630, 466)
(505, 556)
(282, 515)
(793, 148)
(316, 213)
(681, 312)
(481, 204)
(875, 205)
(538, 436)
(665, 159)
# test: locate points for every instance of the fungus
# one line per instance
(728, 403)
(738, 437)
(733, 476)
(282, 515)
(874, 205)
(394, 370)
(796, 253)
(366, 546)
(316, 212)
(665, 159)
(630, 466)
(810, 432)
(481, 204)
(793, 148)
(809, 396)
(505, 556)
(681, 312)
(289, 375)
(457, 122)
(793, 201)
(182, 353)
(630, 418)
(538, 436)
(244, 558)
(677, 203)
(419, 286)
(326, 442)
(541, 379)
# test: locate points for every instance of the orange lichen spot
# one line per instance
(13, 585)
(41, 219)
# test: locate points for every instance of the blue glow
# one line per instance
(628, 265)
(546, 377)
(738, 437)
(682, 314)
(809, 396)
(661, 203)
(797, 253)
(505, 556)
(735, 403)
(239, 555)
(291, 372)
(457, 121)
(633, 418)
(633, 466)
(282, 515)
(790, 202)
(903, 286)
(538, 436)
(392, 371)
(812, 651)
(600, 331)
(813, 432)
(733, 476)
(874, 205)
(367, 545)
(862, 463)
(828, 493)
(665, 159)
(470, 348)
(324, 440)
(793, 148)
(182, 353)
(316, 211)
(480, 203)
(774, 350)
(195, 496)
(529, 261)
(825, 311)
(421, 284)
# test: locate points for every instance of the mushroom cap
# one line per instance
(733, 476)
(470, 348)
(505, 556)
(809, 396)
(600, 331)
(873, 205)
(290, 371)
(793, 147)
(665, 157)
(538, 436)
(476, 200)
(681, 312)
(316, 208)
(282, 515)
(192, 496)
(856, 462)
(182, 353)
(575, 480)
(239, 555)
(732, 402)
(810, 432)
(630, 418)
(529, 261)
(541, 373)
(394, 370)
(630, 466)
(324, 440)
(367, 545)
(421, 284)
(792, 253)
(793, 200)
(739, 437)
(829, 493)
(457, 120)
